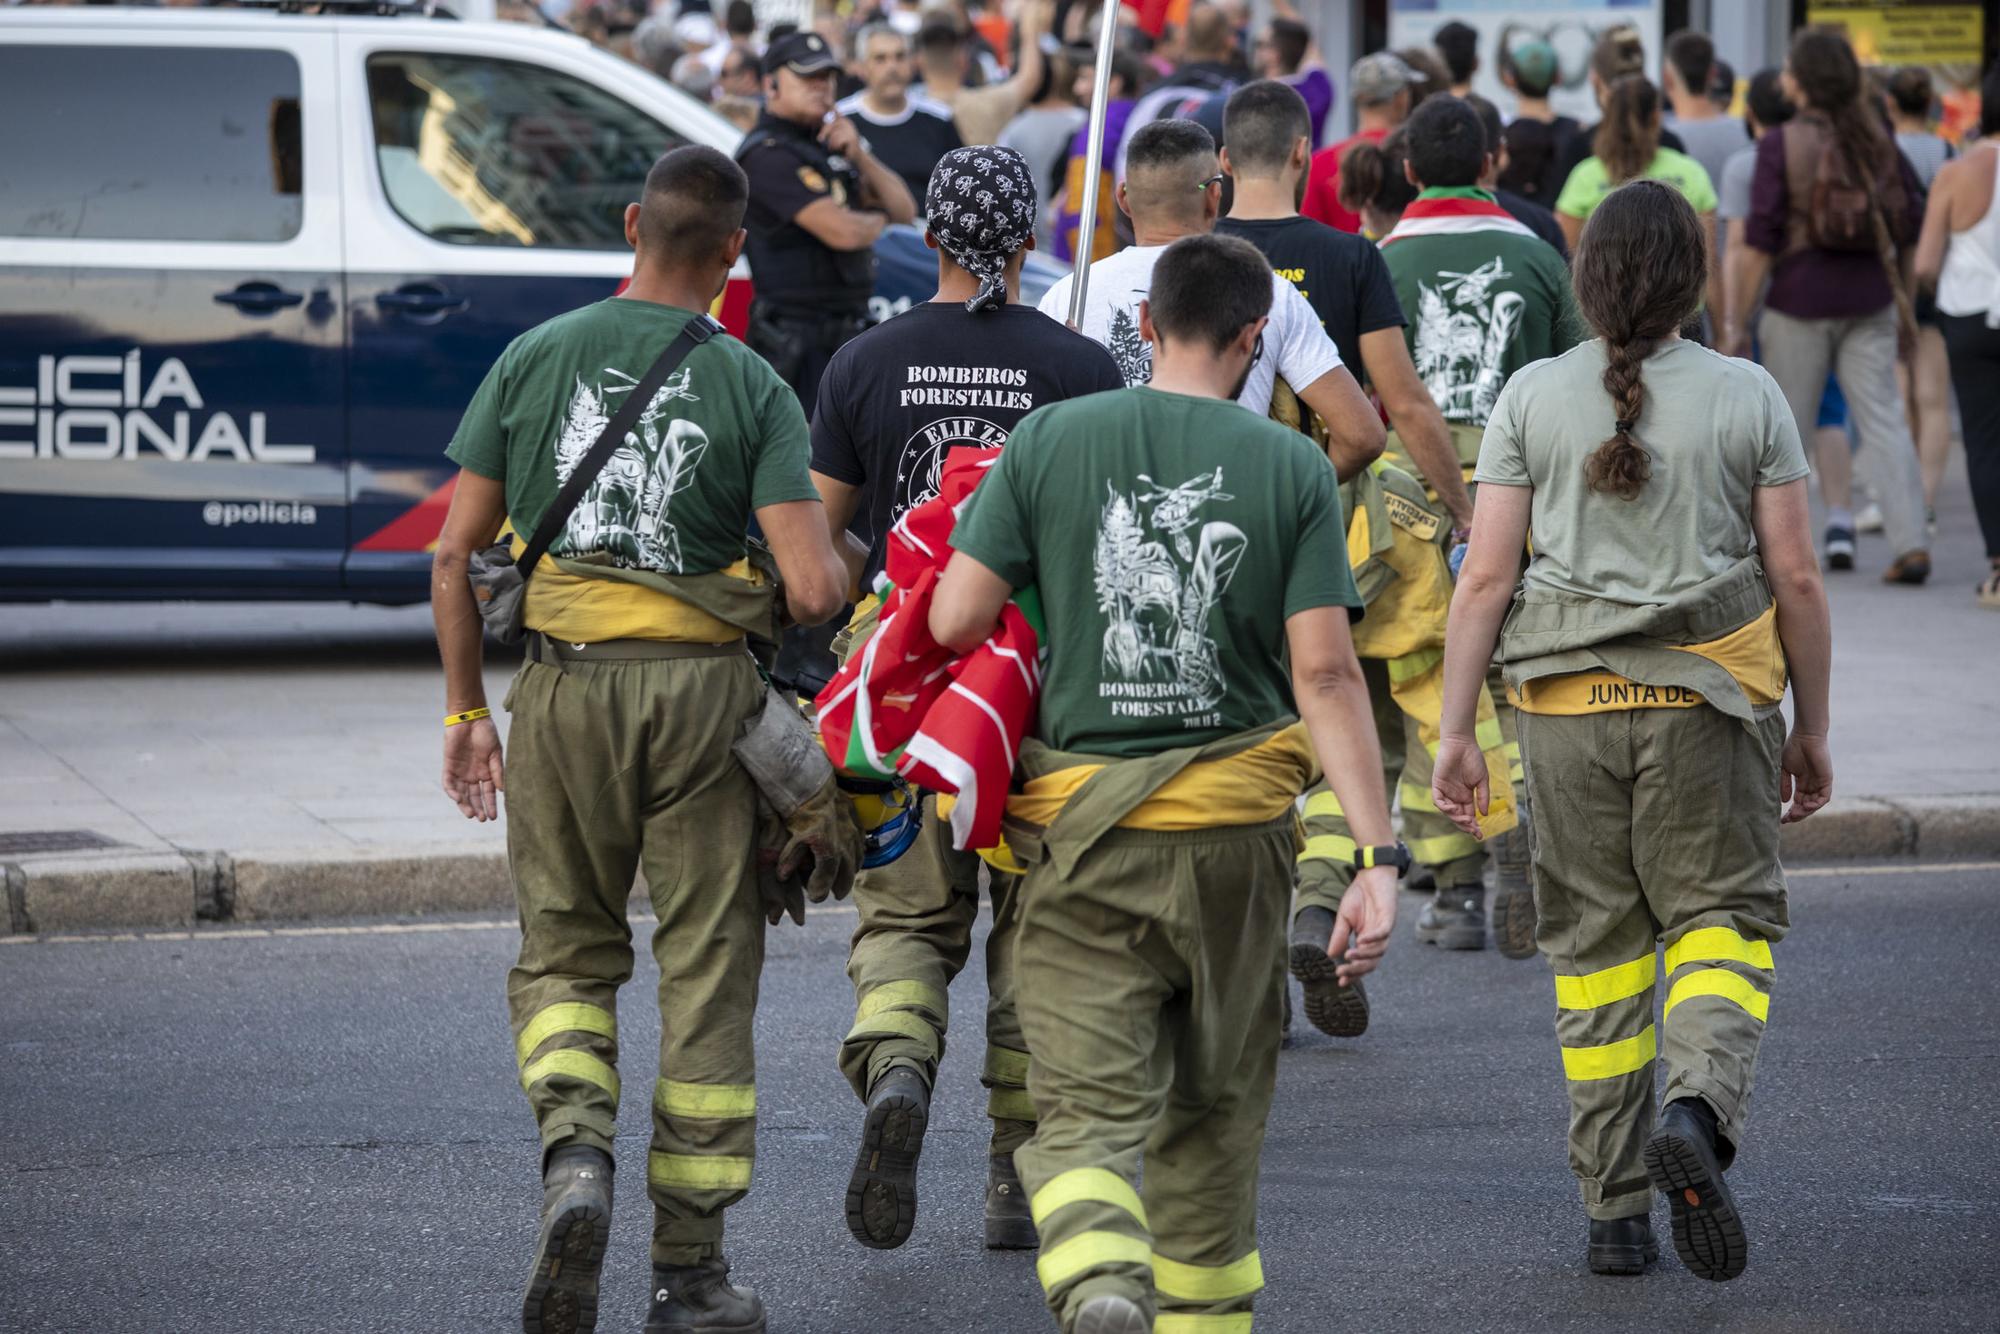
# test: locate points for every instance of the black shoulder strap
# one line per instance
(696, 332)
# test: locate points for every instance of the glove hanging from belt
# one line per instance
(808, 841)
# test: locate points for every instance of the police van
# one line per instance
(253, 265)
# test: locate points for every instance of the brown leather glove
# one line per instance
(825, 837)
(782, 897)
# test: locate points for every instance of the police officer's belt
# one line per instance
(818, 323)
(553, 652)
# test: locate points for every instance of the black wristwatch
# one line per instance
(1395, 854)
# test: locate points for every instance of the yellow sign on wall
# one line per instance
(1893, 34)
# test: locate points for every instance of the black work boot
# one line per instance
(1336, 1010)
(1682, 1162)
(1009, 1225)
(882, 1193)
(1622, 1245)
(700, 1299)
(1421, 878)
(1455, 919)
(1514, 895)
(576, 1223)
(1110, 1315)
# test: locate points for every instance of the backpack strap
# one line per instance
(692, 335)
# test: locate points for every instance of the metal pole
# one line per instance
(1093, 164)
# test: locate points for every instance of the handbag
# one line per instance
(499, 579)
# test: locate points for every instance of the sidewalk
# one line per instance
(243, 762)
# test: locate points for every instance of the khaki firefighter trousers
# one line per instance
(917, 915)
(613, 767)
(1656, 827)
(1326, 867)
(1150, 981)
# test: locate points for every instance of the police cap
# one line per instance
(801, 53)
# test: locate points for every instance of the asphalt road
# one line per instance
(318, 1129)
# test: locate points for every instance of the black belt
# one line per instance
(554, 652)
(820, 322)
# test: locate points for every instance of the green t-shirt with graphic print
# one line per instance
(1169, 537)
(1480, 305)
(724, 436)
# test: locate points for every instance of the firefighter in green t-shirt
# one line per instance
(620, 754)
(1183, 548)
(1484, 297)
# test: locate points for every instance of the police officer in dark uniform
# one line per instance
(818, 201)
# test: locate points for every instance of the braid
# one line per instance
(1621, 464)
(1640, 269)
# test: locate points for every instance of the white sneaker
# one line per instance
(1869, 520)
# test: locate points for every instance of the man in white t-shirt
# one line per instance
(1172, 188)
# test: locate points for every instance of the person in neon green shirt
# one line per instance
(1628, 149)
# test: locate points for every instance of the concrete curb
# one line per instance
(104, 890)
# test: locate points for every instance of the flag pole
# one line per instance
(1093, 163)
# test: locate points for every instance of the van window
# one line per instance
(496, 152)
(158, 143)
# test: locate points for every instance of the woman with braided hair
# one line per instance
(1671, 590)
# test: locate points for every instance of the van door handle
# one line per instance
(259, 298)
(421, 299)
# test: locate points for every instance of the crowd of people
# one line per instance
(922, 80)
(1421, 472)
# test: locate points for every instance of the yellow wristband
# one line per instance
(470, 715)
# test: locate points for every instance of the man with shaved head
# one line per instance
(620, 758)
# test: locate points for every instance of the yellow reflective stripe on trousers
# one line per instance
(1086, 1185)
(1718, 943)
(1208, 1283)
(1442, 848)
(695, 1171)
(1183, 1322)
(899, 996)
(1323, 803)
(896, 1024)
(1331, 847)
(1613, 1058)
(1415, 797)
(705, 1102)
(1009, 1104)
(567, 1017)
(1487, 734)
(1004, 1065)
(1721, 982)
(1410, 667)
(577, 1064)
(1086, 1251)
(1606, 985)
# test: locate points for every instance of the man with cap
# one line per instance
(1381, 84)
(818, 201)
(957, 371)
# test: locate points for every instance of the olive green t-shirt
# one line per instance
(1169, 537)
(722, 437)
(1716, 428)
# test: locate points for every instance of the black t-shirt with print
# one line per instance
(1341, 276)
(896, 399)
